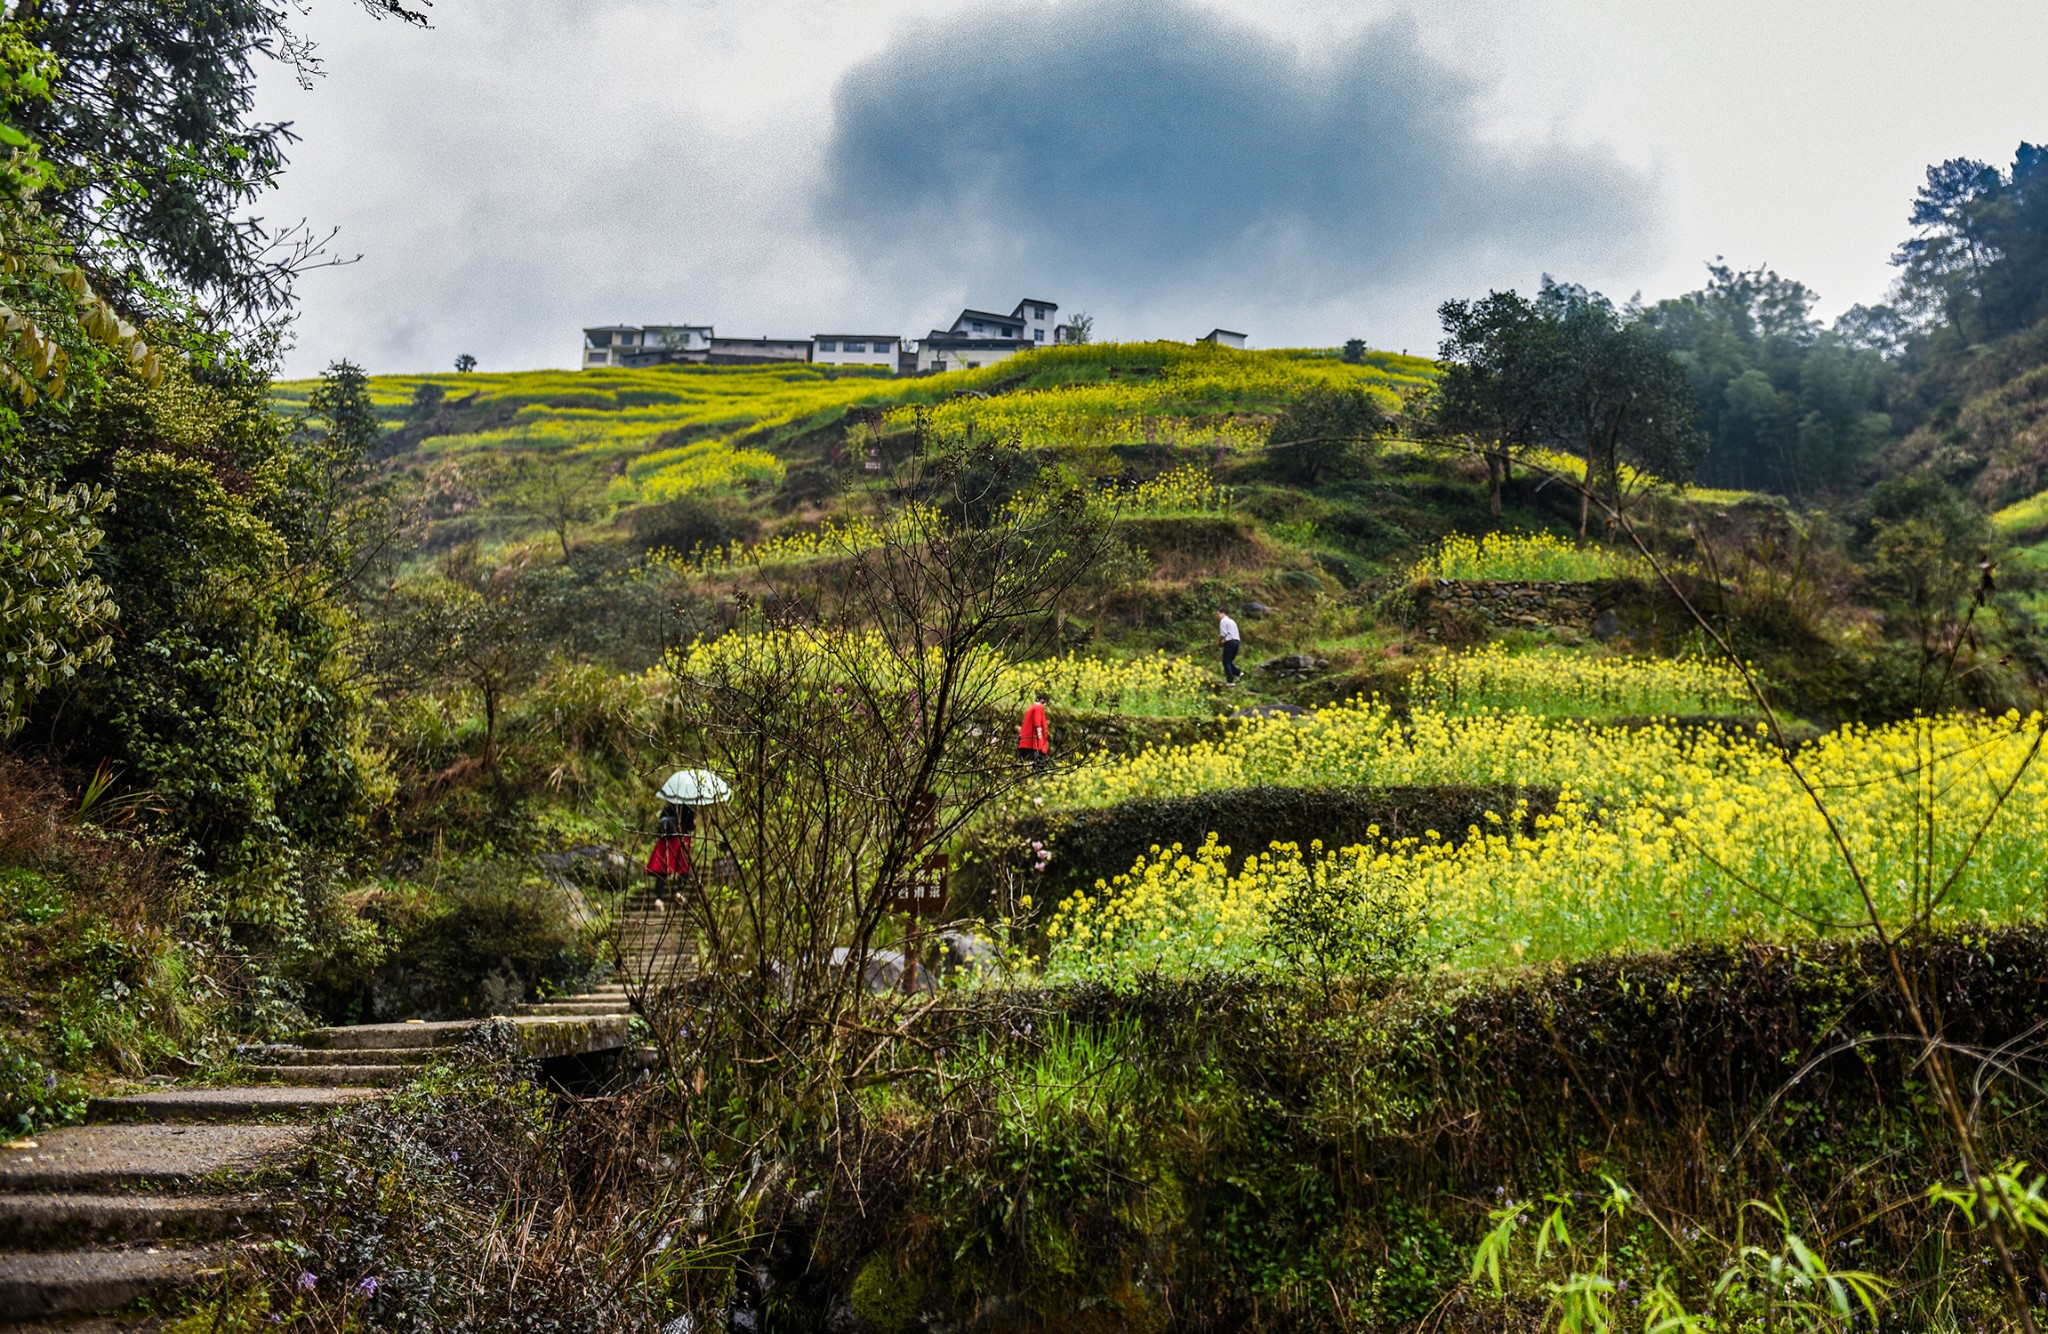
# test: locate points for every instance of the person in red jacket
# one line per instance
(1034, 734)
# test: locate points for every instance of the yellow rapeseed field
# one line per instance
(1521, 556)
(1662, 835)
(1153, 684)
(1559, 683)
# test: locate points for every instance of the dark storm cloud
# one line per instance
(1132, 143)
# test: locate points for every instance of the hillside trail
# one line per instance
(106, 1225)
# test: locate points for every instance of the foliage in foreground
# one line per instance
(1322, 1151)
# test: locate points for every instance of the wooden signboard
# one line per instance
(924, 819)
(921, 890)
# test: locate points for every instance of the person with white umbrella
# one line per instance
(685, 790)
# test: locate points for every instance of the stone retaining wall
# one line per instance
(1521, 604)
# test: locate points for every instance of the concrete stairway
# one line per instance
(150, 1196)
(651, 949)
(141, 1201)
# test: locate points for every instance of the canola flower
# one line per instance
(1163, 394)
(1362, 742)
(1562, 684)
(2023, 520)
(1694, 837)
(834, 537)
(1187, 489)
(1184, 490)
(1153, 684)
(1521, 556)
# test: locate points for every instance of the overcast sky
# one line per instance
(1305, 172)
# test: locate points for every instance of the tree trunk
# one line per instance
(490, 732)
(1496, 464)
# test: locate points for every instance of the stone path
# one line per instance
(150, 1196)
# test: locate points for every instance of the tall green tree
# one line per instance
(1623, 401)
(1788, 406)
(1499, 381)
(1567, 370)
(1321, 431)
(157, 157)
(1978, 264)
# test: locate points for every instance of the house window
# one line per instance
(600, 358)
(827, 345)
(1038, 335)
(1038, 312)
(882, 346)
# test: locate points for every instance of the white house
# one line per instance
(832, 349)
(1223, 338)
(976, 338)
(644, 344)
(982, 337)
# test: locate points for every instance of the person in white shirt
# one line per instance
(1227, 630)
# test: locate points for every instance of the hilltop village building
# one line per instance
(855, 349)
(977, 338)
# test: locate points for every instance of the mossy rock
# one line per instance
(883, 1298)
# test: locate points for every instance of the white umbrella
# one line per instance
(695, 787)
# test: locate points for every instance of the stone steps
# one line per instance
(575, 1006)
(56, 1283)
(259, 1102)
(131, 1157)
(53, 1220)
(140, 1202)
(288, 1057)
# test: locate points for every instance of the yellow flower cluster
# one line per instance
(702, 465)
(834, 537)
(1691, 838)
(1185, 490)
(1362, 743)
(1533, 556)
(1155, 684)
(1571, 685)
(2023, 520)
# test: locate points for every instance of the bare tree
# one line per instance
(555, 490)
(861, 727)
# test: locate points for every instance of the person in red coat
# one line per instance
(1034, 734)
(671, 855)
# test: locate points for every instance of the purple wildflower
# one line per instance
(307, 1280)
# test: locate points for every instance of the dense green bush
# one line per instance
(476, 940)
(99, 971)
(687, 522)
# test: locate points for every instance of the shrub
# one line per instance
(471, 1199)
(685, 523)
(481, 940)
